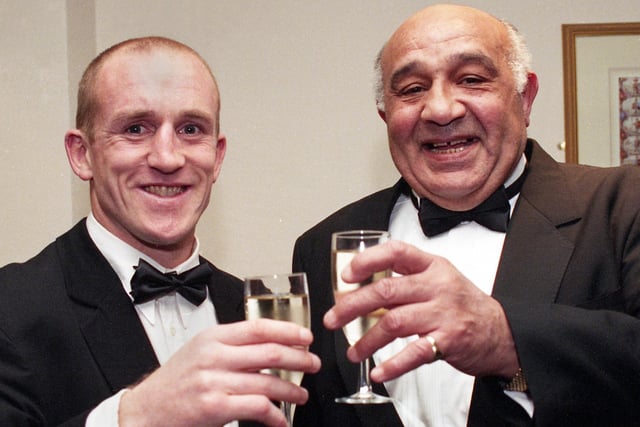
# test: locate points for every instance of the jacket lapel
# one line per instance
(534, 238)
(105, 314)
(227, 295)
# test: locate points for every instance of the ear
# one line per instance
(382, 115)
(528, 95)
(77, 146)
(221, 149)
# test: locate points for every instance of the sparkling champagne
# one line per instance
(287, 307)
(357, 327)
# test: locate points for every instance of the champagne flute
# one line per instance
(344, 246)
(280, 297)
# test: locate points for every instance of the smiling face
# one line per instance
(155, 150)
(455, 120)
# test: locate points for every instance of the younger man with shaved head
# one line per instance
(92, 333)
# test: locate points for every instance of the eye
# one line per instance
(190, 129)
(472, 80)
(412, 90)
(415, 89)
(135, 129)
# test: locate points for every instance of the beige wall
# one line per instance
(304, 137)
(34, 177)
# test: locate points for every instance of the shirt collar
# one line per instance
(123, 257)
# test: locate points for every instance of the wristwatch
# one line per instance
(517, 383)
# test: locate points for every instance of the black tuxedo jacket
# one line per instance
(70, 336)
(569, 282)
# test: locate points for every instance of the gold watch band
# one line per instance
(517, 383)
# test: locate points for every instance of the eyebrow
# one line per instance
(481, 59)
(459, 59)
(194, 114)
(402, 72)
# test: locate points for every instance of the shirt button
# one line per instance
(172, 331)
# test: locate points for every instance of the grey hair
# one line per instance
(378, 84)
(518, 58)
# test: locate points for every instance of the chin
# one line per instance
(168, 235)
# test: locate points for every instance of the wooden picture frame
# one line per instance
(574, 101)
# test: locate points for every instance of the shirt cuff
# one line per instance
(523, 399)
(106, 413)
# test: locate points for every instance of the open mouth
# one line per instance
(164, 190)
(450, 147)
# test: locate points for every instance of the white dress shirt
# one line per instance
(437, 394)
(169, 321)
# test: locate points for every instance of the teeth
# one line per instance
(163, 191)
(450, 143)
(449, 150)
(450, 146)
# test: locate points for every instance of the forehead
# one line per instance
(159, 77)
(443, 34)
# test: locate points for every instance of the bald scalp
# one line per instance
(88, 102)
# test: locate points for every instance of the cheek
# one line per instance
(115, 171)
(206, 162)
(400, 129)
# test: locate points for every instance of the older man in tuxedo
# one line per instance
(120, 321)
(517, 289)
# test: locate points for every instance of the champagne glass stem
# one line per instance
(364, 385)
(286, 410)
(365, 394)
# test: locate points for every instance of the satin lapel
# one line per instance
(535, 235)
(105, 314)
(227, 295)
(532, 241)
(534, 259)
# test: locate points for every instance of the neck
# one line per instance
(469, 202)
(167, 256)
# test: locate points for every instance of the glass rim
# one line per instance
(357, 234)
(275, 275)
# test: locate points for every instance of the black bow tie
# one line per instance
(493, 213)
(148, 283)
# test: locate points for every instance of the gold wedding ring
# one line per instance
(434, 348)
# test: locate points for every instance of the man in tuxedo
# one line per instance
(523, 311)
(91, 330)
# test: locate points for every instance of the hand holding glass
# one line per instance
(344, 246)
(280, 297)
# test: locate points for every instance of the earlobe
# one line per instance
(221, 149)
(382, 115)
(77, 148)
(528, 95)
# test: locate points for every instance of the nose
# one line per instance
(165, 153)
(441, 106)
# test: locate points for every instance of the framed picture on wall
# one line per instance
(600, 63)
(624, 84)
